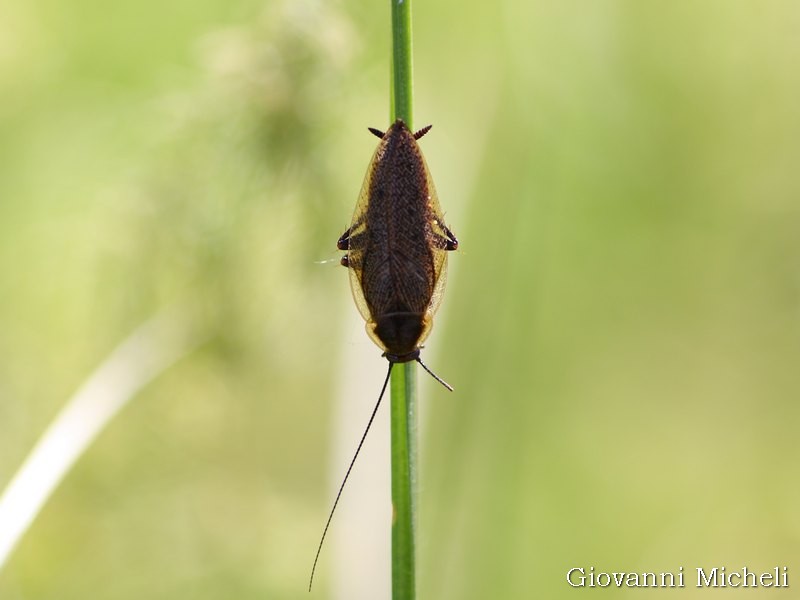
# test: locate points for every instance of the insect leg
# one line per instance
(447, 241)
(376, 132)
(348, 240)
(451, 241)
(344, 240)
(346, 243)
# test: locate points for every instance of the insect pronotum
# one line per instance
(397, 246)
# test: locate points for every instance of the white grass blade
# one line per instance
(149, 351)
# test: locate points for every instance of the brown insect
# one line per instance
(397, 246)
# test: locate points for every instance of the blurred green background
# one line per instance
(622, 322)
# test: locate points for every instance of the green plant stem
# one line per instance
(404, 479)
(404, 376)
(402, 64)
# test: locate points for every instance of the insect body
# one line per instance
(397, 246)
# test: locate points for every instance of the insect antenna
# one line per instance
(435, 376)
(350, 468)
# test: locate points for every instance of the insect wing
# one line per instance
(358, 240)
(437, 239)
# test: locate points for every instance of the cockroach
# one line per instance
(397, 246)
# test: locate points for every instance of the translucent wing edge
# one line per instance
(358, 227)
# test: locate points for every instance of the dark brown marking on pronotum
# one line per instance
(397, 246)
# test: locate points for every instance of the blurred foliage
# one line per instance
(622, 324)
(211, 193)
